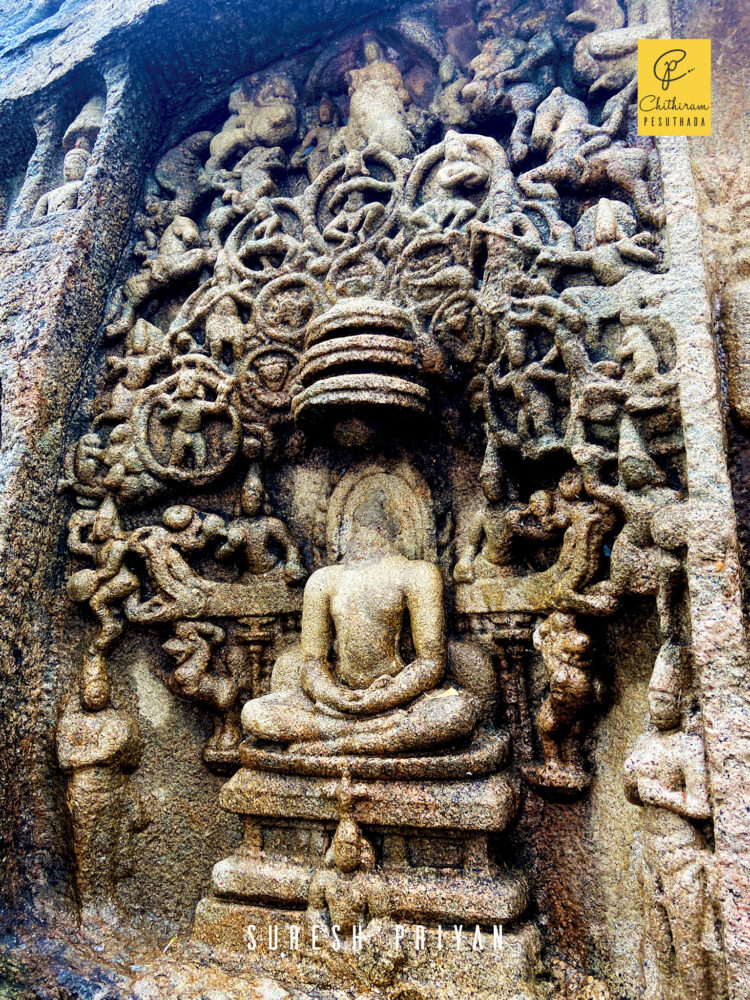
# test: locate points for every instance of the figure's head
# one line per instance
(263, 209)
(106, 522)
(448, 70)
(139, 339)
(326, 111)
(540, 503)
(373, 51)
(120, 434)
(275, 119)
(253, 495)
(665, 687)
(189, 385)
(571, 485)
(492, 474)
(226, 306)
(373, 515)
(178, 518)
(606, 229)
(272, 368)
(347, 846)
(75, 163)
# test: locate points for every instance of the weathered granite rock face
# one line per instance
(369, 551)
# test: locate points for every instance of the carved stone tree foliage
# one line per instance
(381, 266)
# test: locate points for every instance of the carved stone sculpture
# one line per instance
(666, 775)
(394, 455)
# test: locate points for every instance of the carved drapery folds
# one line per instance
(403, 259)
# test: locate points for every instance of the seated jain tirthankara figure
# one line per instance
(373, 674)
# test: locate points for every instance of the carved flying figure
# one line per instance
(264, 113)
(613, 254)
(105, 588)
(605, 58)
(560, 133)
(186, 407)
(637, 564)
(512, 75)
(179, 591)
(241, 189)
(145, 351)
(180, 255)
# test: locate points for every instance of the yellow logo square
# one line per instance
(674, 86)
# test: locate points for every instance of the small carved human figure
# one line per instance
(347, 690)
(263, 113)
(186, 406)
(260, 538)
(460, 171)
(127, 475)
(354, 216)
(667, 775)
(178, 173)
(97, 751)
(313, 152)
(537, 388)
(586, 525)
(65, 197)
(378, 101)
(348, 895)
(192, 647)
(566, 654)
(224, 328)
(83, 468)
(144, 352)
(241, 189)
(345, 893)
(448, 103)
(104, 587)
(512, 75)
(489, 547)
(561, 133)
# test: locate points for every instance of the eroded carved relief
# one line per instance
(77, 144)
(666, 775)
(402, 262)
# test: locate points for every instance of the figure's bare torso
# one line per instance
(367, 610)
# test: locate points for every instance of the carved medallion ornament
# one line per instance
(389, 427)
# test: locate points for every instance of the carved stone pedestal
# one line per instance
(451, 962)
(434, 860)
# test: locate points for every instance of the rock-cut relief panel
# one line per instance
(402, 258)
